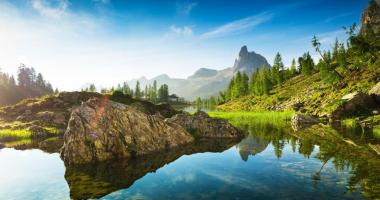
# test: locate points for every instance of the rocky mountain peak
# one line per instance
(243, 51)
(249, 61)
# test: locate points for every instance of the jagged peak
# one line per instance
(243, 51)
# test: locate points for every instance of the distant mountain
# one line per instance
(204, 73)
(207, 82)
(249, 61)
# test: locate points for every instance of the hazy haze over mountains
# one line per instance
(206, 82)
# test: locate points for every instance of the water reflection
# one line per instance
(95, 181)
(346, 148)
(271, 162)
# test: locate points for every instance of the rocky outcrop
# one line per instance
(370, 18)
(201, 125)
(375, 93)
(248, 62)
(300, 121)
(54, 111)
(101, 130)
(354, 104)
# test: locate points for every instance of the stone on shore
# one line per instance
(101, 130)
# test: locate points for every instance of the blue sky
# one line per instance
(109, 41)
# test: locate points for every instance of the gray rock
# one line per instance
(375, 92)
(38, 132)
(300, 121)
(354, 104)
(249, 61)
(101, 130)
(201, 125)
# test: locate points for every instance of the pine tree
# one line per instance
(293, 68)
(92, 88)
(278, 70)
(306, 64)
(163, 93)
(137, 90)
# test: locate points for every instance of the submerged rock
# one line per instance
(300, 121)
(354, 104)
(101, 130)
(201, 125)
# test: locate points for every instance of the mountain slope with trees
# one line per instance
(315, 88)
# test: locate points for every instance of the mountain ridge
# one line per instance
(206, 82)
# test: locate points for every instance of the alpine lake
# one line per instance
(273, 161)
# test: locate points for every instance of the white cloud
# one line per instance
(186, 7)
(182, 31)
(46, 8)
(237, 26)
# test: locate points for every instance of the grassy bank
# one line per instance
(264, 117)
(19, 130)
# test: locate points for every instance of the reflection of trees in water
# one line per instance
(346, 149)
(259, 136)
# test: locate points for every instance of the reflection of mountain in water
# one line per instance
(251, 146)
(95, 181)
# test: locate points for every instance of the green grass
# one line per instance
(376, 132)
(264, 117)
(350, 123)
(23, 133)
(16, 134)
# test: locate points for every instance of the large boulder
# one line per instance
(201, 125)
(300, 121)
(101, 130)
(354, 104)
(375, 92)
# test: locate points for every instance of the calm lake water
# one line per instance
(270, 163)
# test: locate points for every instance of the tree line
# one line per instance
(151, 92)
(29, 84)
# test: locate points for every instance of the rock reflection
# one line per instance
(95, 181)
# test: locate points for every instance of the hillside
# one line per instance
(307, 94)
(336, 86)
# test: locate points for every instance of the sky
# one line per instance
(75, 42)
